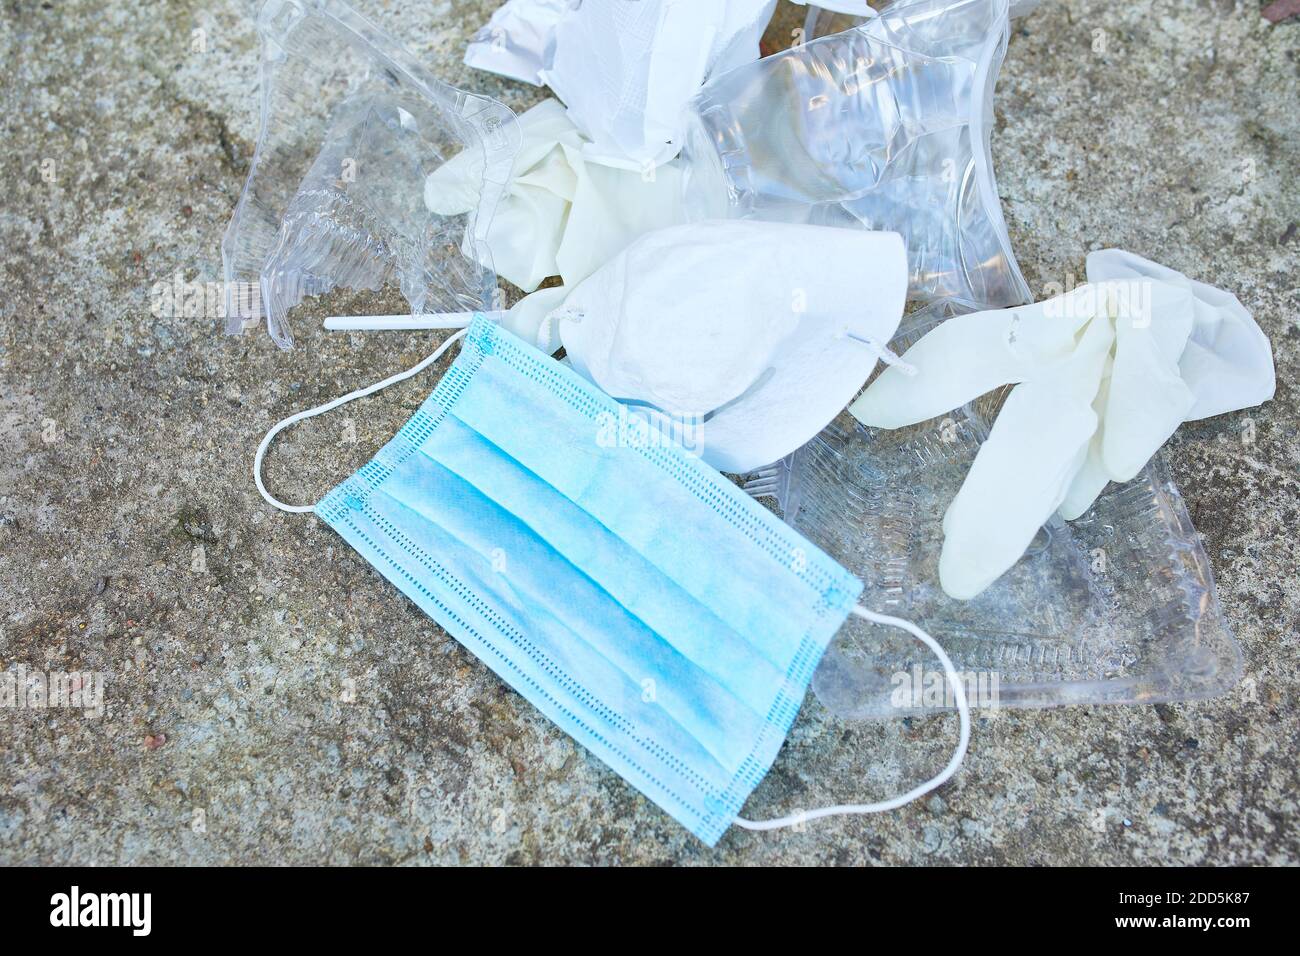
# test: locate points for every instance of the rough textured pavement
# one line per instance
(271, 699)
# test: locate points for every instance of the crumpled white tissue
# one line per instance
(561, 215)
(754, 333)
(515, 40)
(1105, 375)
(626, 70)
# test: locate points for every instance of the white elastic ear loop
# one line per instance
(321, 409)
(963, 712)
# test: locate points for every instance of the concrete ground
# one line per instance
(271, 699)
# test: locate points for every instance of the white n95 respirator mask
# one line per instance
(755, 334)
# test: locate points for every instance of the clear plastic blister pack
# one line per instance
(351, 126)
(1118, 606)
(883, 126)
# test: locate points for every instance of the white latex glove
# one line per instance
(1106, 373)
(1024, 470)
(561, 214)
(1227, 362)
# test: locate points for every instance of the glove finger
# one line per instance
(967, 356)
(1023, 471)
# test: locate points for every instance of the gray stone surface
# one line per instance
(1168, 128)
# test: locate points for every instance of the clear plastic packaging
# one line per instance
(821, 21)
(1118, 606)
(351, 126)
(885, 126)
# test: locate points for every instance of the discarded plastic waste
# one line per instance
(885, 126)
(639, 599)
(1104, 374)
(1118, 606)
(561, 215)
(741, 338)
(825, 19)
(836, 16)
(351, 125)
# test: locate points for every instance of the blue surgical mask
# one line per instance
(634, 595)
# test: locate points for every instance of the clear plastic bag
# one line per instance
(1118, 606)
(351, 126)
(884, 126)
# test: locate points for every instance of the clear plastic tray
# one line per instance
(1118, 606)
(886, 127)
(351, 126)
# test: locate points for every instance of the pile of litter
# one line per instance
(725, 246)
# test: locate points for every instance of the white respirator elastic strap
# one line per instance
(328, 406)
(963, 713)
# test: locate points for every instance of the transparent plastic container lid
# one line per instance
(884, 126)
(351, 126)
(1118, 606)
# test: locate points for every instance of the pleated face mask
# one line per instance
(644, 603)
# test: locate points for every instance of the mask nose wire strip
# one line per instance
(963, 712)
(328, 406)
